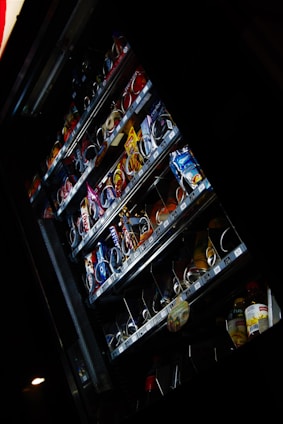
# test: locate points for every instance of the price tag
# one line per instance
(216, 269)
(171, 135)
(165, 223)
(163, 313)
(150, 240)
(147, 327)
(110, 280)
(197, 285)
(201, 187)
(238, 252)
(155, 154)
(98, 292)
(183, 206)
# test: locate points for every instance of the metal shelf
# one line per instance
(134, 184)
(161, 317)
(142, 97)
(124, 66)
(158, 241)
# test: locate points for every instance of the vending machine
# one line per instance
(134, 199)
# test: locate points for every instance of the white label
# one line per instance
(256, 318)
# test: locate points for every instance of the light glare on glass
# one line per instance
(37, 380)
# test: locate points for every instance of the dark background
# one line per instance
(230, 63)
(29, 346)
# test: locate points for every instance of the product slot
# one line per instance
(91, 170)
(137, 258)
(105, 92)
(134, 185)
(179, 284)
